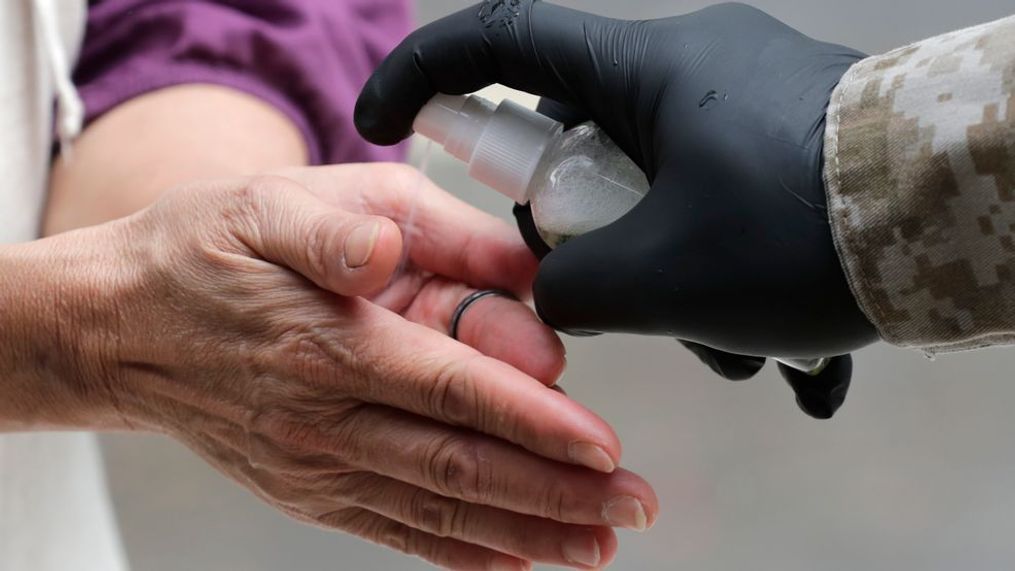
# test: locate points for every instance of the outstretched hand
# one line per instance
(250, 319)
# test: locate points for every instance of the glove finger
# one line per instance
(820, 396)
(729, 366)
(537, 47)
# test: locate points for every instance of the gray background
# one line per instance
(917, 473)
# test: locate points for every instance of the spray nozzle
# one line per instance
(503, 145)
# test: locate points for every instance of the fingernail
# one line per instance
(505, 563)
(359, 244)
(626, 512)
(591, 456)
(582, 549)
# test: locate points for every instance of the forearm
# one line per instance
(920, 173)
(126, 159)
(18, 346)
(50, 322)
(55, 327)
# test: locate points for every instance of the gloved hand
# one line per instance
(819, 396)
(724, 109)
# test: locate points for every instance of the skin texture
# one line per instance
(229, 316)
(724, 109)
(128, 158)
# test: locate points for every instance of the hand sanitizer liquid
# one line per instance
(575, 181)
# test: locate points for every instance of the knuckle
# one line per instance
(255, 197)
(435, 514)
(307, 430)
(395, 182)
(242, 207)
(307, 351)
(345, 439)
(461, 256)
(392, 534)
(349, 486)
(304, 346)
(398, 537)
(248, 198)
(455, 467)
(453, 396)
(289, 433)
(322, 245)
(553, 503)
(280, 428)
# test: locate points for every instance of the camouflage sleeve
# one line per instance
(920, 175)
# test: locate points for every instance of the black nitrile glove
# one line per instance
(818, 396)
(724, 109)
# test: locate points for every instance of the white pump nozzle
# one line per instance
(503, 145)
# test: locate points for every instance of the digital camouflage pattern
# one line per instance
(920, 174)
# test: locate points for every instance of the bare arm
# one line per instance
(121, 164)
(126, 159)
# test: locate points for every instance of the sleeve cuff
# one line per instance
(919, 152)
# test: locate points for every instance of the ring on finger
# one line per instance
(471, 300)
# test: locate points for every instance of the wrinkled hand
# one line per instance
(242, 325)
(724, 109)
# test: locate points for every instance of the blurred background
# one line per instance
(917, 472)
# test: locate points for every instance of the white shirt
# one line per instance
(55, 513)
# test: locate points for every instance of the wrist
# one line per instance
(56, 335)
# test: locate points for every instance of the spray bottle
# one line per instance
(575, 181)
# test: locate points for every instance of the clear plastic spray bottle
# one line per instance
(575, 181)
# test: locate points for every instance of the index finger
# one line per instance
(529, 45)
(439, 378)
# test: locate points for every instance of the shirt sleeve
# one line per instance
(307, 58)
(920, 175)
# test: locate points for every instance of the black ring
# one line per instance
(466, 303)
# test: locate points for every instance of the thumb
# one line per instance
(346, 253)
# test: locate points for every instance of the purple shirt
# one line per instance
(307, 58)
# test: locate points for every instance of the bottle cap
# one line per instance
(502, 145)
